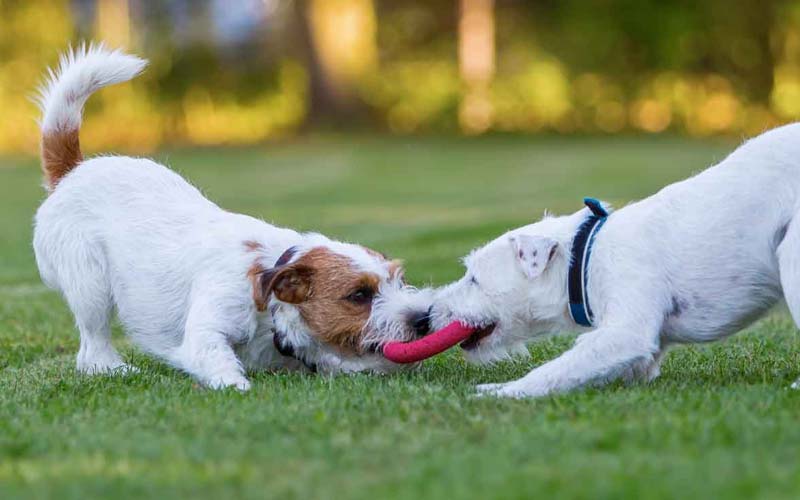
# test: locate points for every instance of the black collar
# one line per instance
(577, 280)
(278, 339)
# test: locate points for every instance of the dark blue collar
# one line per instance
(579, 307)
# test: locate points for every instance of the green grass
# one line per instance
(719, 422)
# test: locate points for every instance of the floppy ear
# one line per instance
(290, 284)
(533, 253)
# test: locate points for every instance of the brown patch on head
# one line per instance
(61, 152)
(282, 280)
(341, 296)
(332, 295)
(289, 283)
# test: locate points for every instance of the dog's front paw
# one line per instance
(515, 390)
(796, 384)
(125, 369)
(488, 389)
(117, 368)
(238, 382)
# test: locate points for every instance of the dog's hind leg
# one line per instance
(83, 280)
(789, 268)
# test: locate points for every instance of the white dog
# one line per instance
(696, 262)
(209, 291)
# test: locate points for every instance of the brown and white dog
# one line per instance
(211, 292)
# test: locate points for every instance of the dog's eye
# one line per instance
(361, 296)
(473, 280)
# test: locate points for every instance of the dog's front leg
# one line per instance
(206, 352)
(597, 357)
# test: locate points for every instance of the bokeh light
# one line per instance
(244, 72)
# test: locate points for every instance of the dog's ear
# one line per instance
(533, 253)
(290, 283)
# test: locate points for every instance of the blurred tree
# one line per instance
(131, 104)
(417, 87)
(338, 41)
(785, 96)
(476, 63)
(113, 22)
(226, 72)
(31, 35)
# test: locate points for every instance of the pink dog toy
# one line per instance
(433, 344)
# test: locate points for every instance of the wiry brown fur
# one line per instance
(318, 283)
(61, 152)
(254, 274)
(327, 311)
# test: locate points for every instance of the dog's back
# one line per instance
(104, 216)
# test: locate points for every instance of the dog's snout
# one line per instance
(420, 322)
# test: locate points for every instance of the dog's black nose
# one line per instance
(420, 322)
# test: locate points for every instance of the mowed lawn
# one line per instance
(720, 422)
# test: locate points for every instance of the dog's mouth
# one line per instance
(475, 339)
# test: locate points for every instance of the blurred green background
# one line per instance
(246, 71)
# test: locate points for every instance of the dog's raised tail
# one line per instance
(80, 72)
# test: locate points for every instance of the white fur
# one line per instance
(696, 262)
(130, 234)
